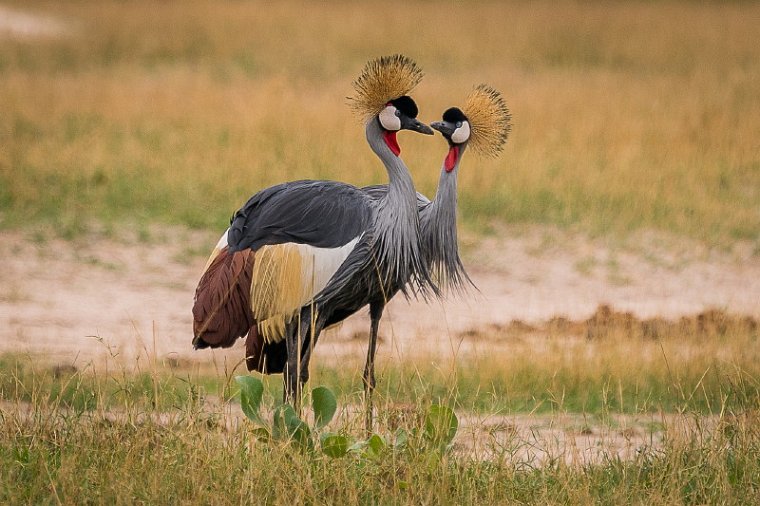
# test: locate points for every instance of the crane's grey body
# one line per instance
(383, 236)
(303, 255)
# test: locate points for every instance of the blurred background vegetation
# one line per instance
(628, 116)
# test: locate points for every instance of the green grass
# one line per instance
(171, 431)
(197, 465)
(122, 437)
(610, 363)
(622, 121)
(481, 386)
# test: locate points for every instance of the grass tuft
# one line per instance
(121, 436)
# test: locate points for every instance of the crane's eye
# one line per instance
(398, 113)
(459, 123)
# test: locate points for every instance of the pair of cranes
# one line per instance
(304, 255)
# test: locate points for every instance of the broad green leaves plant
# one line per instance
(440, 426)
(286, 424)
(251, 391)
(324, 404)
(334, 445)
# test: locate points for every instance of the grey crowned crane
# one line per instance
(483, 123)
(304, 255)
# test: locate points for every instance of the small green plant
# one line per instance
(440, 427)
(287, 425)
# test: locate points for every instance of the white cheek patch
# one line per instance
(462, 133)
(389, 120)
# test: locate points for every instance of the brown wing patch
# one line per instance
(222, 309)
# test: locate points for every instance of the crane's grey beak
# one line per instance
(415, 125)
(447, 129)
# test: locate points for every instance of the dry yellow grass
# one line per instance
(626, 116)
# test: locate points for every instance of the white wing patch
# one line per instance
(219, 247)
(288, 276)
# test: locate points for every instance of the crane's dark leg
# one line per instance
(309, 340)
(292, 388)
(301, 341)
(375, 313)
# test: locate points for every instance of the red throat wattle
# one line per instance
(390, 140)
(451, 158)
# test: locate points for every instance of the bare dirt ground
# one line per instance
(26, 25)
(89, 298)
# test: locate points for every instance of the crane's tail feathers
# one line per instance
(222, 310)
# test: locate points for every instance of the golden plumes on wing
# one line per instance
(382, 80)
(278, 288)
(490, 120)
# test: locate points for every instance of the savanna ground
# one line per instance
(611, 355)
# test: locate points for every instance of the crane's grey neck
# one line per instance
(398, 228)
(399, 179)
(439, 234)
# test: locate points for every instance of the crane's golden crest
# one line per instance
(382, 80)
(489, 118)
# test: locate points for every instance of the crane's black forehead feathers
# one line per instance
(454, 114)
(406, 105)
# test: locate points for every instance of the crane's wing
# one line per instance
(297, 235)
(322, 214)
(378, 191)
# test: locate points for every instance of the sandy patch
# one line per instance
(88, 299)
(526, 441)
(26, 25)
